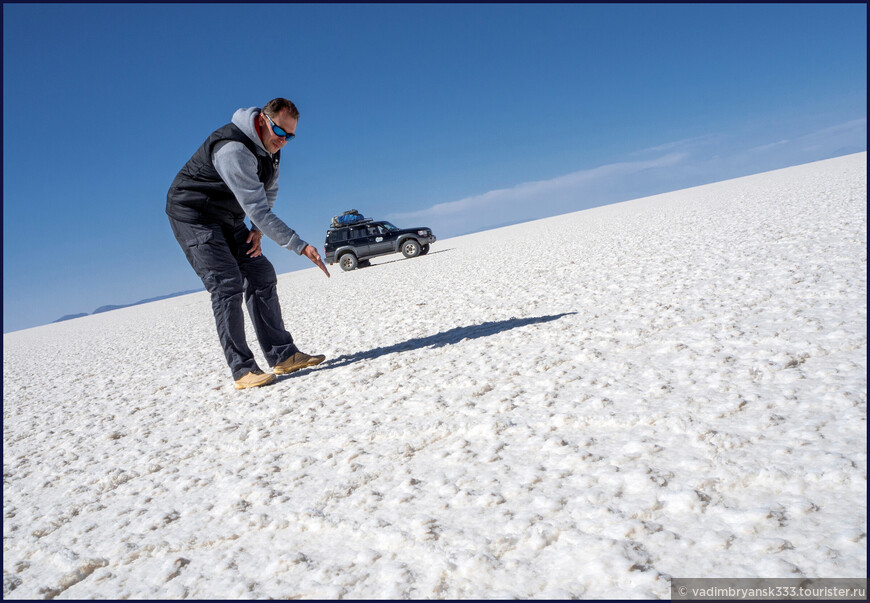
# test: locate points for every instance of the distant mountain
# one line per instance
(109, 308)
(102, 309)
(70, 317)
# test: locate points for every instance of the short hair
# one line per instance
(276, 105)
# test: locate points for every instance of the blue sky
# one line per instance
(458, 117)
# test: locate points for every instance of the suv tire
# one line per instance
(410, 248)
(348, 261)
(425, 249)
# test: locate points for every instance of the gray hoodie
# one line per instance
(238, 169)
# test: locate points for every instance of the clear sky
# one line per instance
(458, 117)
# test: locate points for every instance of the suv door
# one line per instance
(359, 240)
(381, 241)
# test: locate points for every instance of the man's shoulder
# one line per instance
(230, 144)
(232, 155)
(231, 138)
(231, 132)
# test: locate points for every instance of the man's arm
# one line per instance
(237, 166)
(271, 196)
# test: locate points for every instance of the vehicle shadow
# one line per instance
(439, 340)
(402, 259)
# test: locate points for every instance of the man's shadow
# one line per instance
(439, 340)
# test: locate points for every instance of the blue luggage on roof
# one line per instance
(347, 218)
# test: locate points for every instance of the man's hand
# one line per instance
(311, 253)
(254, 241)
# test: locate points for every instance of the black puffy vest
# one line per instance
(198, 194)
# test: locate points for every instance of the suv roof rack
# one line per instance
(366, 221)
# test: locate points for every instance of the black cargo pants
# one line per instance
(217, 253)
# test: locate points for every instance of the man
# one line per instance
(234, 174)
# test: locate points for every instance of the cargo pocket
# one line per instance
(194, 241)
(199, 235)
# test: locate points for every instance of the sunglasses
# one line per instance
(279, 131)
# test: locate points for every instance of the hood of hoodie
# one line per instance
(244, 120)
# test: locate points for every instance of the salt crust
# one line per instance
(581, 406)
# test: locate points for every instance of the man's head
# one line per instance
(280, 113)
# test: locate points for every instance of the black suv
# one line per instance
(353, 245)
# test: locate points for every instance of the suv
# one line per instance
(354, 244)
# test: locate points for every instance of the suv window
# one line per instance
(337, 236)
(356, 233)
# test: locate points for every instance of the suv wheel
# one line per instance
(410, 248)
(347, 261)
(425, 249)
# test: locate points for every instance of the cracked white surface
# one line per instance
(578, 406)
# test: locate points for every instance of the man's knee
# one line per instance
(261, 274)
(223, 285)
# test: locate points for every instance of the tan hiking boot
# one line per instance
(297, 361)
(255, 378)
